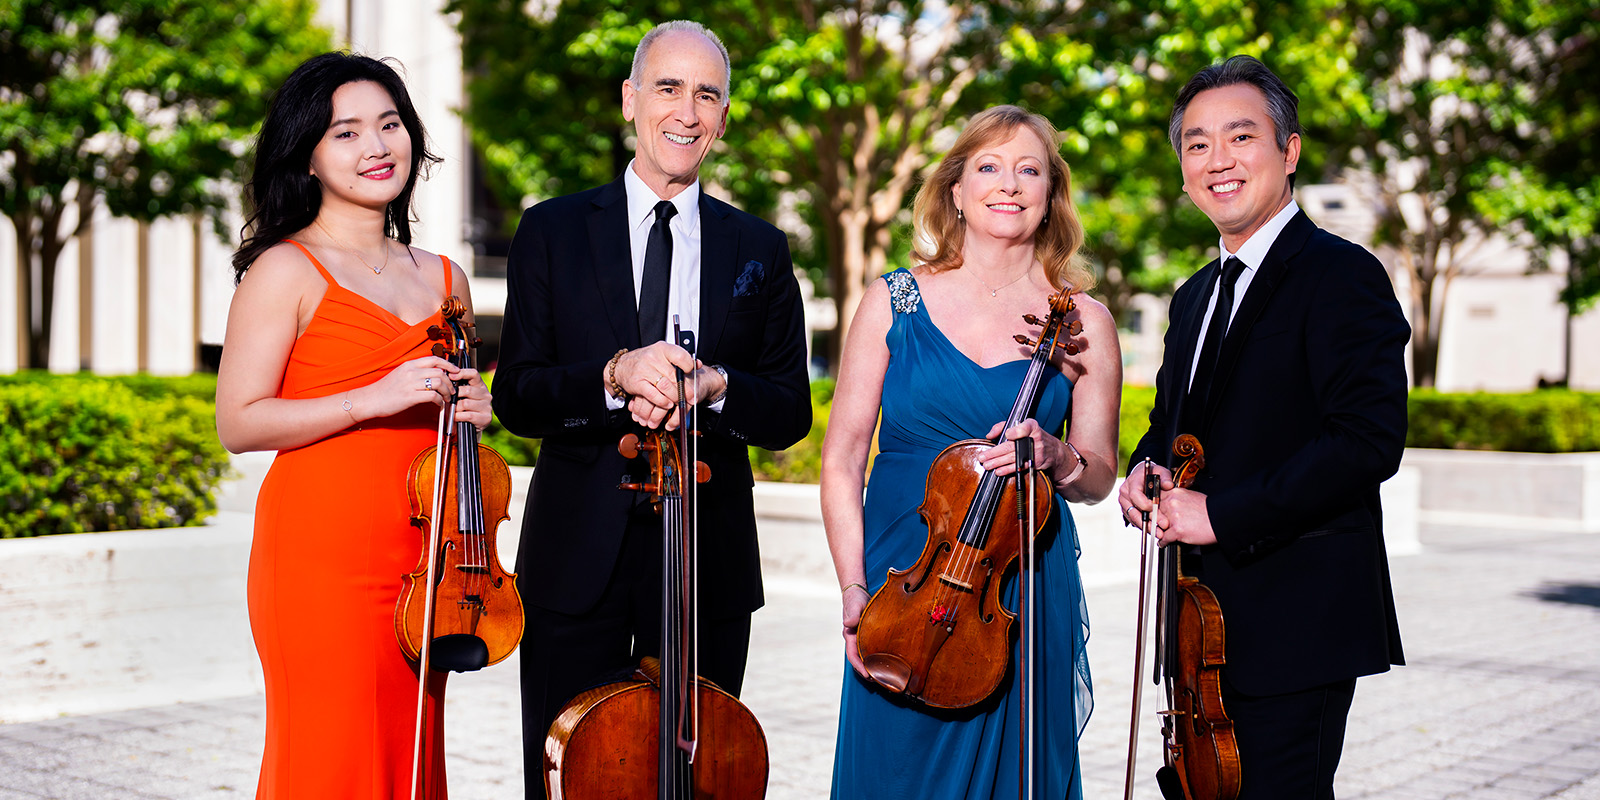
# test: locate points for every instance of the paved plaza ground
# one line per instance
(1501, 700)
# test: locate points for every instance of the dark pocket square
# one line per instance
(749, 282)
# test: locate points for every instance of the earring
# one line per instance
(960, 216)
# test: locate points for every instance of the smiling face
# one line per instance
(678, 108)
(364, 157)
(1232, 167)
(1004, 188)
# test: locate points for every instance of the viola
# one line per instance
(1200, 751)
(460, 508)
(665, 732)
(937, 631)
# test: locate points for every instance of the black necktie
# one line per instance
(657, 274)
(1194, 406)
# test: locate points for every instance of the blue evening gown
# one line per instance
(890, 748)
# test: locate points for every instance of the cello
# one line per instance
(664, 732)
(937, 631)
(460, 512)
(1200, 751)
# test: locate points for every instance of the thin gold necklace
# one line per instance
(375, 270)
(995, 291)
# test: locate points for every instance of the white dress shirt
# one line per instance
(1251, 253)
(683, 288)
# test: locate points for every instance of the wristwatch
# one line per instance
(724, 392)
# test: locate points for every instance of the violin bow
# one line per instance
(689, 452)
(1025, 754)
(444, 444)
(1152, 490)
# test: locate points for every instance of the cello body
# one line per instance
(584, 760)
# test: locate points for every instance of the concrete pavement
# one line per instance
(1501, 700)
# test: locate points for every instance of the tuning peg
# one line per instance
(1075, 327)
(1071, 348)
(702, 473)
(1031, 319)
(649, 488)
(630, 446)
(435, 332)
(1023, 340)
(440, 351)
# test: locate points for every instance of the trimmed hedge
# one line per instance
(1545, 421)
(90, 453)
(801, 463)
(84, 453)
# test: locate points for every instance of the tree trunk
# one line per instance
(23, 223)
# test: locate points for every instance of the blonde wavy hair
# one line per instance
(939, 234)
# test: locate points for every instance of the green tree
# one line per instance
(1109, 79)
(144, 106)
(1475, 118)
(837, 107)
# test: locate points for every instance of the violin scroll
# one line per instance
(1193, 459)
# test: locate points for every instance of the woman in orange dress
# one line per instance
(327, 361)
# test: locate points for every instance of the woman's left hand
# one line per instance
(472, 403)
(1048, 451)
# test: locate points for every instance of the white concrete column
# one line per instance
(10, 334)
(115, 242)
(170, 287)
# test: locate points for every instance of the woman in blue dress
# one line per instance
(931, 347)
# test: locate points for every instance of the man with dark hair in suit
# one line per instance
(594, 281)
(1286, 357)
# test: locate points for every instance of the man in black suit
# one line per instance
(1299, 399)
(594, 280)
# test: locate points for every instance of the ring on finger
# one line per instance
(427, 383)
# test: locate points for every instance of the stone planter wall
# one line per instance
(1516, 492)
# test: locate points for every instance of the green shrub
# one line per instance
(92, 454)
(801, 463)
(1545, 421)
(1133, 421)
(517, 451)
(200, 386)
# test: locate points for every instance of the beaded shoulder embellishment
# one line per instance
(903, 295)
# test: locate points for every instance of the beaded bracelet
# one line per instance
(611, 377)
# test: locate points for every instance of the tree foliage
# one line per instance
(839, 108)
(1474, 119)
(143, 105)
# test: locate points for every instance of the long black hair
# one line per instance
(282, 196)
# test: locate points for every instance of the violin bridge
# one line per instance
(956, 583)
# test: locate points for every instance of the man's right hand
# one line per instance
(1131, 495)
(649, 376)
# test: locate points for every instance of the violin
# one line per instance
(937, 631)
(664, 732)
(1201, 753)
(460, 508)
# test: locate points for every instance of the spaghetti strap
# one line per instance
(314, 262)
(448, 274)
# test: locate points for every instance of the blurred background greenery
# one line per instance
(92, 453)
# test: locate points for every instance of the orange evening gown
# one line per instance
(332, 540)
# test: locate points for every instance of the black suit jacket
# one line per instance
(1307, 415)
(570, 307)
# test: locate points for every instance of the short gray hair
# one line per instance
(1282, 104)
(655, 33)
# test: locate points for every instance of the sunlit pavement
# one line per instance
(1501, 699)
